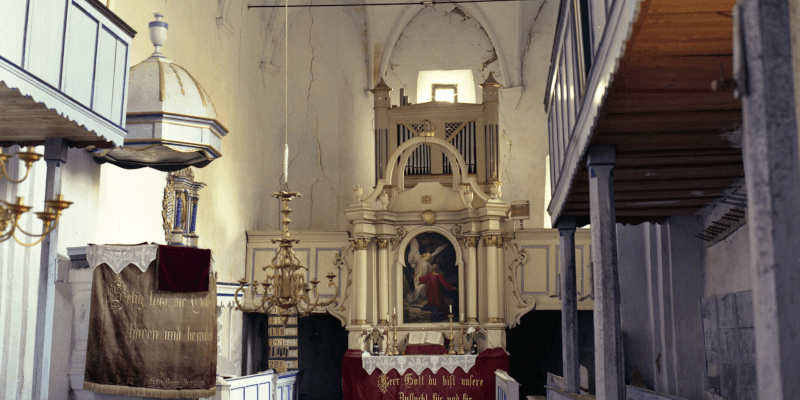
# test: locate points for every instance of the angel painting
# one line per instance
(431, 279)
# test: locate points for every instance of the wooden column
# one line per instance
(490, 242)
(501, 282)
(610, 379)
(472, 279)
(383, 280)
(569, 304)
(360, 260)
(772, 170)
(55, 155)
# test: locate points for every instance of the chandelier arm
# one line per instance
(8, 178)
(333, 299)
(8, 234)
(240, 306)
(46, 230)
(30, 244)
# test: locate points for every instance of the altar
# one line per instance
(422, 377)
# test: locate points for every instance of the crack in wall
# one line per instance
(491, 59)
(321, 176)
(530, 38)
(459, 12)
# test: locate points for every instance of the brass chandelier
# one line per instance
(285, 291)
(10, 213)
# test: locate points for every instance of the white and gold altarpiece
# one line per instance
(437, 200)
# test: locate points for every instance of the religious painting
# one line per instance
(430, 279)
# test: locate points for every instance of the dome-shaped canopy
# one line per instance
(171, 120)
(159, 85)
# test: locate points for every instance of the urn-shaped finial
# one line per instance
(158, 33)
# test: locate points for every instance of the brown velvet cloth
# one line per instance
(476, 384)
(148, 343)
(183, 269)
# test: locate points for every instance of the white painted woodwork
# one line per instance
(71, 57)
(567, 89)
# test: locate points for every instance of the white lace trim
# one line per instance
(417, 363)
(118, 257)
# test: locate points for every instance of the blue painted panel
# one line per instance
(79, 56)
(44, 41)
(104, 83)
(237, 394)
(12, 29)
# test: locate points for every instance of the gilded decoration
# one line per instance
(490, 240)
(430, 279)
(383, 243)
(401, 233)
(472, 241)
(383, 383)
(429, 217)
(360, 243)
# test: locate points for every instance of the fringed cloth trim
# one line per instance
(146, 392)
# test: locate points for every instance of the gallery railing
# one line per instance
(589, 41)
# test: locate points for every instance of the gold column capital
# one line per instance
(360, 243)
(472, 241)
(383, 243)
(491, 240)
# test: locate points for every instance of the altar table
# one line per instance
(449, 382)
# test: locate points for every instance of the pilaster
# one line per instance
(569, 305)
(490, 242)
(610, 383)
(55, 154)
(472, 279)
(360, 258)
(383, 280)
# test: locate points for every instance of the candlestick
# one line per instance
(394, 341)
(452, 338)
(461, 350)
(387, 350)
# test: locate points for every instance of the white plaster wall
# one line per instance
(523, 123)
(445, 37)
(442, 37)
(727, 265)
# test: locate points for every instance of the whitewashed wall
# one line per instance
(330, 135)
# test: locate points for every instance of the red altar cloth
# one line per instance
(432, 349)
(476, 384)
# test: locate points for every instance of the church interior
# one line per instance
(482, 199)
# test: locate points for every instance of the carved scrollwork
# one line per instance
(341, 264)
(528, 302)
(401, 233)
(456, 231)
(167, 208)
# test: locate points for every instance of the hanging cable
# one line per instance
(421, 3)
(286, 96)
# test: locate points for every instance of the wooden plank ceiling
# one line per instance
(678, 142)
